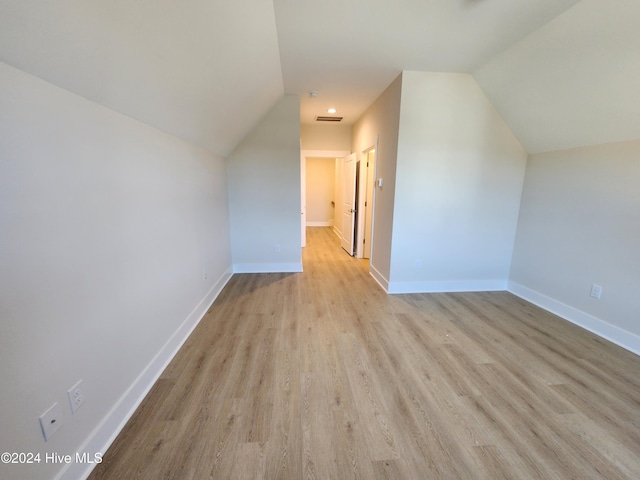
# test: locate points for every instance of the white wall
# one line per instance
(458, 183)
(264, 193)
(580, 224)
(325, 137)
(105, 227)
(380, 124)
(320, 182)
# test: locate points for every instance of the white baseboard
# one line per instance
(104, 435)
(379, 278)
(337, 232)
(320, 224)
(447, 286)
(620, 337)
(267, 267)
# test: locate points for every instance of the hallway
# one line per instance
(323, 375)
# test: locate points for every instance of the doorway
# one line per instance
(366, 200)
(304, 154)
(355, 178)
(364, 175)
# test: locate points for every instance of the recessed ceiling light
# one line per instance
(331, 110)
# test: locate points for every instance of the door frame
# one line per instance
(368, 180)
(304, 154)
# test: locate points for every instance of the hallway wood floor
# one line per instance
(322, 375)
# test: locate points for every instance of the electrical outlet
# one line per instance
(417, 263)
(277, 248)
(204, 274)
(596, 291)
(76, 397)
(51, 421)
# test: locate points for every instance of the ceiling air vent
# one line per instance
(329, 119)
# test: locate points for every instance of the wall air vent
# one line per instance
(329, 119)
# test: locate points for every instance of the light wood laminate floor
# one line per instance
(322, 375)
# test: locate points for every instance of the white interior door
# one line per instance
(348, 203)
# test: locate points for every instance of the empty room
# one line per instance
(284, 239)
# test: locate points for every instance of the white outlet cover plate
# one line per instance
(76, 397)
(51, 421)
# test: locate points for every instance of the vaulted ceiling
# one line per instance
(203, 70)
(562, 73)
(573, 82)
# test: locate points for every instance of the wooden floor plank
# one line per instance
(322, 375)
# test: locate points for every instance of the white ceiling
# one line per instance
(351, 50)
(562, 73)
(575, 81)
